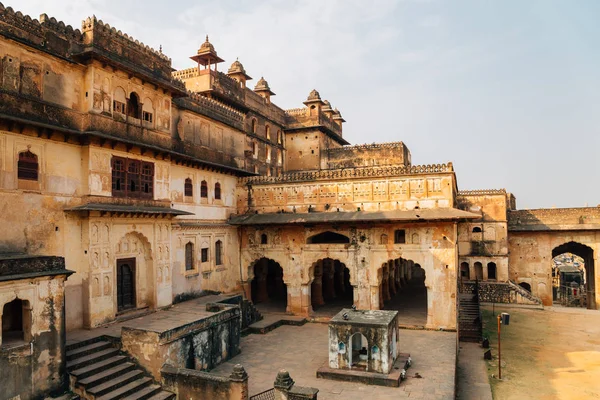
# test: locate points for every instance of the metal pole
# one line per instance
(499, 353)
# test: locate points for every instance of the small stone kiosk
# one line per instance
(363, 346)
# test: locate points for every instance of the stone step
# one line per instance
(92, 369)
(125, 390)
(115, 383)
(145, 393)
(86, 360)
(87, 350)
(163, 395)
(106, 375)
(81, 343)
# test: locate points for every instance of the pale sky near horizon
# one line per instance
(509, 91)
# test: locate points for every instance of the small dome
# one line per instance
(314, 95)
(236, 67)
(206, 46)
(262, 84)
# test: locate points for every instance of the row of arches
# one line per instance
(132, 106)
(188, 189)
(402, 287)
(477, 273)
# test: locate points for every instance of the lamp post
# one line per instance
(503, 318)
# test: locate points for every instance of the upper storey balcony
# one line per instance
(300, 118)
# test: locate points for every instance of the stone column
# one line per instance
(261, 288)
(317, 291)
(386, 285)
(376, 300)
(239, 383)
(392, 279)
(329, 284)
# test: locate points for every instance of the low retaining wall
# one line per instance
(192, 384)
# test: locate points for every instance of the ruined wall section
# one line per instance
(545, 219)
(367, 155)
(34, 367)
(367, 189)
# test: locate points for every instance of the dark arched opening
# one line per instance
(491, 270)
(464, 271)
(573, 283)
(525, 286)
(328, 237)
(16, 322)
(478, 271)
(330, 289)
(268, 290)
(403, 289)
(133, 106)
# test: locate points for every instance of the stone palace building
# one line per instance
(154, 185)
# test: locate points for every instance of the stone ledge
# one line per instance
(392, 379)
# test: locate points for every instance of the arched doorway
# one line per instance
(403, 289)
(134, 280)
(478, 271)
(358, 355)
(330, 288)
(465, 274)
(573, 275)
(268, 290)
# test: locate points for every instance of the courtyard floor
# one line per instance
(546, 354)
(303, 349)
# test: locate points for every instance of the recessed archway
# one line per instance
(403, 289)
(268, 290)
(574, 285)
(328, 237)
(330, 288)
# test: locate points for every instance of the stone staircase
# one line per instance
(469, 318)
(524, 293)
(98, 370)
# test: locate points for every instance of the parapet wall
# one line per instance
(554, 219)
(368, 155)
(350, 173)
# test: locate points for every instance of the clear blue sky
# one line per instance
(508, 90)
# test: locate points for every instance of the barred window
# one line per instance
(27, 166)
(218, 252)
(132, 178)
(188, 188)
(217, 191)
(204, 254)
(189, 256)
(400, 236)
(204, 189)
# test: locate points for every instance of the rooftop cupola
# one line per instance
(237, 72)
(263, 89)
(337, 117)
(314, 102)
(207, 55)
(327, 110)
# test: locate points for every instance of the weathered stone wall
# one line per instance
(370, 189)
(431, 245)
(201, 344)
(35, 367)
(530, 258)
(368, 155)
(192, 384)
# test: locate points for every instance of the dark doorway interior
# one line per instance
(125, 284)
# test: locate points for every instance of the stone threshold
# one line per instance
(392, 379)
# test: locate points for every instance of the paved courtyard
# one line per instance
(303, 349)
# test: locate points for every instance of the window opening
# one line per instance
(189, 256)
(27, 166)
